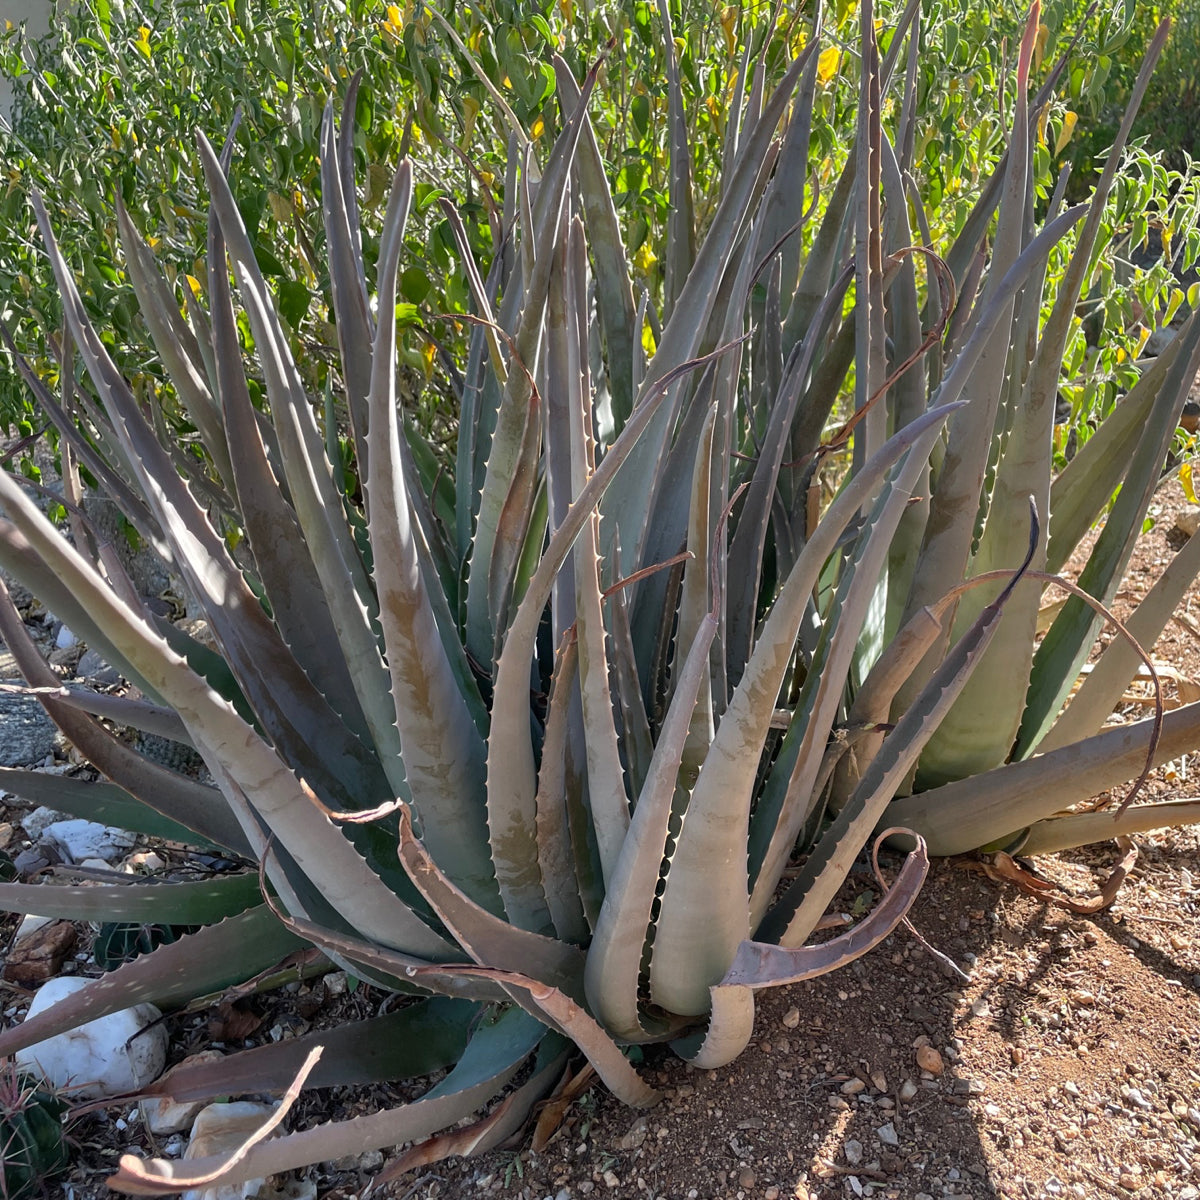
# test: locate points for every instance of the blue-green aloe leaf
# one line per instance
(188, 903)
(444, 754)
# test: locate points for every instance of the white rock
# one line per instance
(143, 862)
(79, 839)
(887, 1134)
(102, 1058)
(336, 983)
(1188, 520)
(65, 639)
(36, 822)
(31, 924)
(220, 1129)
(163, 1115)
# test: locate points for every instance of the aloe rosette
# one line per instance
(534, 744)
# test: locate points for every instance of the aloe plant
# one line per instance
(998, 453)
(542, 738)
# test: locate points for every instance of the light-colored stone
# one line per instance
(1188, 521)
(79, 839)
(64, 639)
(928, 1059)
(163, 1115)
(635, 1135)
(37, 822)
(336, 983)
(118, 1053)
(853, 1150)
(96, 864)
(144, 862)
(887, 1134)
(908, 1090)
(220, 1129)
(30, 924)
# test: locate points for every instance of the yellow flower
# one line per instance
(393, 26)
(1189, 486)
(729, 20)
(1039, 47)
(828, 63)
(142, 41)
(644, 258)
(715, 112)
(1070, 120)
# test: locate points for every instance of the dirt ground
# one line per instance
(1069, 1061)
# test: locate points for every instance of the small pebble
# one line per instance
(928, 1059)
(853, 1150)
(887, 1134)
(791, 1018)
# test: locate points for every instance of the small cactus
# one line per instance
(122, 941)
(32, 1143)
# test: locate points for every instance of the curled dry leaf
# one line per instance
(155, 1176)
(1004, 867)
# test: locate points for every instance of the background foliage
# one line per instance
(110, 106)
